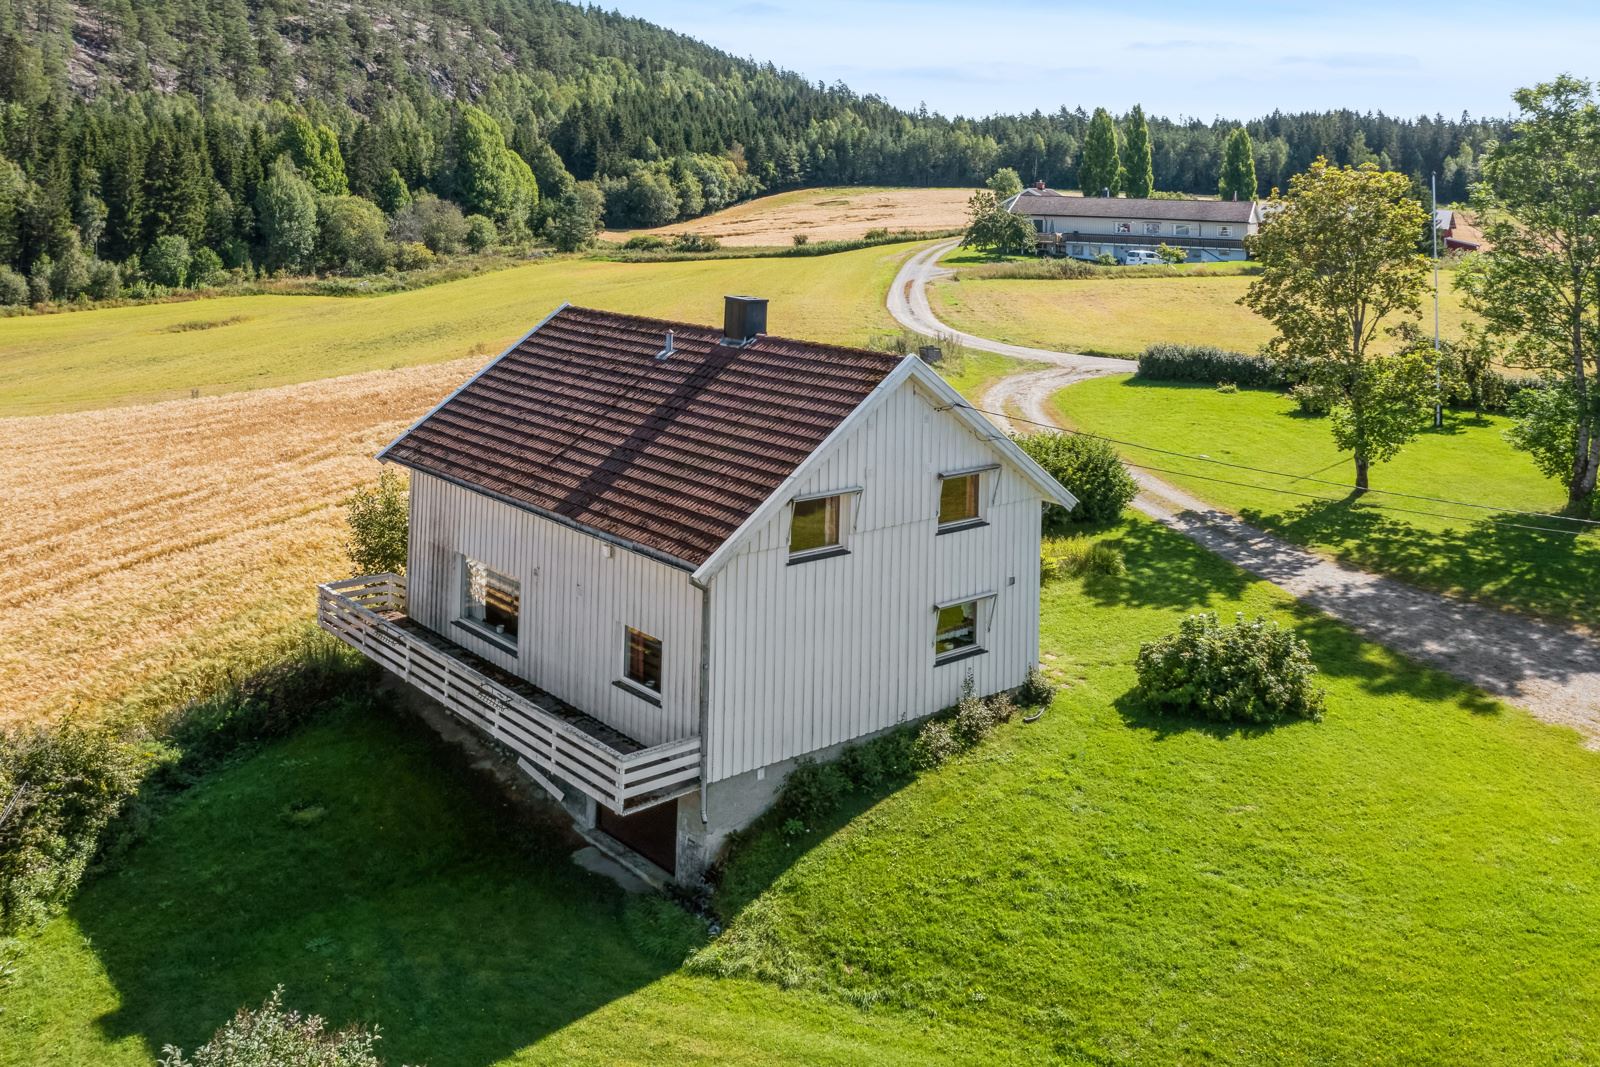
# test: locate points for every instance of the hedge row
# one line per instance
(1204, 363)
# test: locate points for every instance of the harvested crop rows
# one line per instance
(146, 549)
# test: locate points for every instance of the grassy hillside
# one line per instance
(92, 359)
(1456, 550)
(1409, 881)
(1119, 317)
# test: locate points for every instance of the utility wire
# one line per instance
(1292, 477)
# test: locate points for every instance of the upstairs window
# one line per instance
(1124, 227)
(959, 500)
(815, 529)
(1152, 228)
(490, 602)
(1224, 231)
(642, 661)
(1180, 229)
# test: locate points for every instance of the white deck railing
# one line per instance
(365, 612)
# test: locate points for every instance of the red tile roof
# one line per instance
(581, 421)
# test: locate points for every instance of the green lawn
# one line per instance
(93, 359)
(1411, 880)
(1457, 550)
(1120, 316)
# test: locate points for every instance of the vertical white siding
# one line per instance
(575, 603)
(810, 655)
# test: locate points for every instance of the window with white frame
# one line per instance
(1180, 229)
(1224, 231)
(956, 634)
(816, 527)
(641, 661)
(1124, 227)
(1153, 229)
(490, 602)
(961, 499)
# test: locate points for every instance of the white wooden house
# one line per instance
(1086, 227)
(660, 562)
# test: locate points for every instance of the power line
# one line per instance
(1292, 477)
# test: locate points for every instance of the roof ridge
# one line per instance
(676, 324)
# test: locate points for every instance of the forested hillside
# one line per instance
(171, 141)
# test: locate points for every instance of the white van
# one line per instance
(1136, 257)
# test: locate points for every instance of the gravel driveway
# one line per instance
(1551, 670)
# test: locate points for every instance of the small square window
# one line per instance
(490, 600)
(958, 499)
(957, 630)
(1180, 229)
(1124, 227)
(814, 527)
(1038, 225)
(642, 662)
(1225, 231)
(1152, 228)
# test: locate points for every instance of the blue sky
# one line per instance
(1197, 59)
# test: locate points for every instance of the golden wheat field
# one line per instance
(144, 549)
(836, 213)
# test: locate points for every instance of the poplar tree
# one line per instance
(1238, 181)
(1100, 169)
(1140, 177)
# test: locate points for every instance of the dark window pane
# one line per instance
(958, 628)
(643, 665)
(815, 525)
(958, 499)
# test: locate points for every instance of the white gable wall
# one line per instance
(576, 602)
(813, 654)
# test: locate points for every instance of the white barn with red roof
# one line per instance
(660, 562)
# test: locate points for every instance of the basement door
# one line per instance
(652, 833)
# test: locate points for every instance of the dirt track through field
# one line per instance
(1552, 671)
(154, 543)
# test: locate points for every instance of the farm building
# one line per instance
(1086, 227)
(660, 562)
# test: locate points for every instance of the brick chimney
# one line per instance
(1039, 185)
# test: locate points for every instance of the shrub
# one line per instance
(13, 287)
(1036, 691)
(59, 789)
(1311, 399)
(167, 261)
(105, 281)
(863, 766)
(1204, 363)
(1248, 672)
(272, 1037)
(801, 239)
(936, 743)
(379, 520)
(645, 242)
(812, 791)
(481, 233)
(413, 255)
(1227, 387)
(429, 220)
(353, 235)
(877, 233)
(974, 719)
(1077, 557)
(1169, 254)
(695, 242)
(1090, 470)
(206, 268)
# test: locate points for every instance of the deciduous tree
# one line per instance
(1538, 288)
(1004, 183)
(993, 229)
(1339, 259)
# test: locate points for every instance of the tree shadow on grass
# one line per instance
(362, 865)
(1552, 574)
(1164, 571)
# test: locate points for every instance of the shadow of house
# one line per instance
(363, 866)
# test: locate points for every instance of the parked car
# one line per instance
(1139, 256)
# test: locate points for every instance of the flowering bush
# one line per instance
(1248, 672)
(272, 1037)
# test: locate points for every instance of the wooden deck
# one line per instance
(556, 739)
